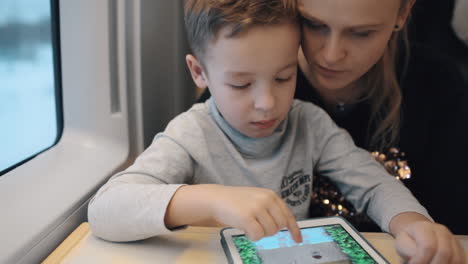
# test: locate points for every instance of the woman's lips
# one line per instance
(328, 72)
(264, 124)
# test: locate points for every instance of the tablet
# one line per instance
(325, 240)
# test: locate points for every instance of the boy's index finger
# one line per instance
(294, 230)
(292, 225)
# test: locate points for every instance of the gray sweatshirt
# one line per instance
(200, 147)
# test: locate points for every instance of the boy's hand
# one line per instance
(257, 211)
(422, 241)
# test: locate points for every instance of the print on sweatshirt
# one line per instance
(295, 188)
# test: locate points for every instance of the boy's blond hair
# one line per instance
(205, 18)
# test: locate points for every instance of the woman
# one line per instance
(348, 66)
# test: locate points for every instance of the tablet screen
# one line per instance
(324, 244)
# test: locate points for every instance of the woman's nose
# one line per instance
(333, 50)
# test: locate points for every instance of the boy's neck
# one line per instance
(249, 146)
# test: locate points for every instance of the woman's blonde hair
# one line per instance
(384, 90)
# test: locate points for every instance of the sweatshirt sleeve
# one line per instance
(132, 204)
(361, 179)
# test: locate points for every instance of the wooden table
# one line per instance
(192, 245)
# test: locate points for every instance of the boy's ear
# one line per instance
(196, 70)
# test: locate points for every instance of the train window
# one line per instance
(29, 89)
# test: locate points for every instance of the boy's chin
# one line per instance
(260, 134)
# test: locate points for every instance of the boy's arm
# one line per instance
(419, 240)
(368, 186)
(131, 206)
(399, 222)
(361, 179)
(190, 206)
(257, 211)
(140, 202)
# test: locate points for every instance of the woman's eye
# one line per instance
(362, 34)
(239, 86)
(312, 24)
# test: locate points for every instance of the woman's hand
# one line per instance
(418, 240)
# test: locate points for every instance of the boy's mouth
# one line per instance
(264, 124)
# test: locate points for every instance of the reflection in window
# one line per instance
(28, 108)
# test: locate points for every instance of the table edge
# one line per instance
(68, 244)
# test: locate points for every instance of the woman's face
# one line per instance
(343, 39)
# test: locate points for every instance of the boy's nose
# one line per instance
(264, 101)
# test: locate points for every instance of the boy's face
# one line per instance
(252, 76)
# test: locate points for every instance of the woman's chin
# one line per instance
(330, 84)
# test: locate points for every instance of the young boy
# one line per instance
(246, 157)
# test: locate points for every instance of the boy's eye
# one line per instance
(239, 86)
(281, 80)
